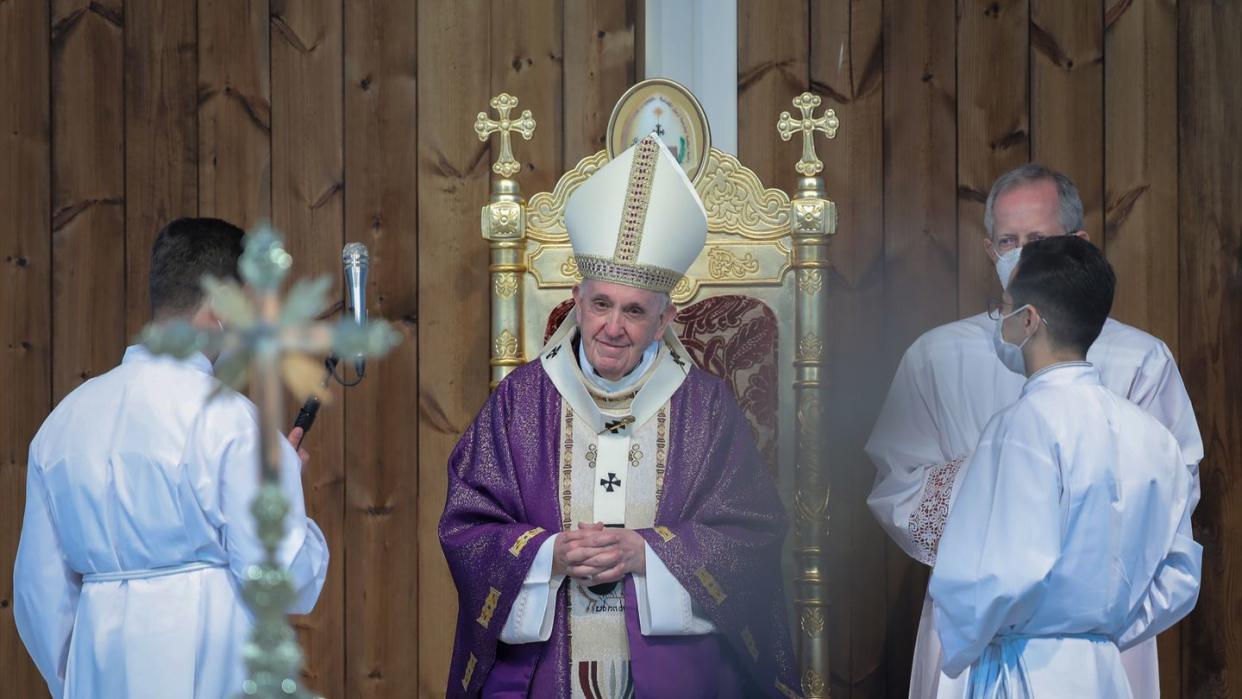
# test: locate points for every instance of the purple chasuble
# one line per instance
(720, 527)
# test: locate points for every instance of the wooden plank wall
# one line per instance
(352, 121)
(936, 100)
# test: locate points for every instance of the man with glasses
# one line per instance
(951, 382)
(1070, 537)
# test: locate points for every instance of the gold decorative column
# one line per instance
(814, 222)
(504, 226)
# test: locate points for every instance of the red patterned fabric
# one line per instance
(734, 338)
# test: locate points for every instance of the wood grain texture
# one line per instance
(25, 279)
(772, 69)
(1210, 321)
(307, 207)
(1140, 233)
(993, 129)
(235, 111)
(88, 191)
(526, 61)
(847, 65)
(921, 250)
(1067, 97)
(381, 479)
(161, 136)
(453, 335)
(599, 68)
(1140, 177)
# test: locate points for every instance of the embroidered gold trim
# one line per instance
(523, 540)
(661, 451)
(636, 456)
(592, 455)
(665, 533)
(710, 584)
(751, 647)
(637, 197)
(465, 680)
(489, 607)
(567, 468)
(642, 276)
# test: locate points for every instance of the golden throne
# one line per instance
(751, 307)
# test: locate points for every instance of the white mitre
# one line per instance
(637, 221)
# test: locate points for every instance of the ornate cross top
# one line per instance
(810, 164)
(503, 103)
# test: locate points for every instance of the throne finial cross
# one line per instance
(827, 123)
(503, 103)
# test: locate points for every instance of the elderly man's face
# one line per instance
(618, 323)
(1025, 214)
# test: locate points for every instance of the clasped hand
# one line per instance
(596, 555)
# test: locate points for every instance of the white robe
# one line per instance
(947, 387)
(1072, 525)
(133, 477)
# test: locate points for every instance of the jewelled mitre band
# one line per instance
(604, 219)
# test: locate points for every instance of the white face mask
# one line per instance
(1009, 353)
(1005, 264)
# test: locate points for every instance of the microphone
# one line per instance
(355, 260)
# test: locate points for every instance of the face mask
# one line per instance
(1005, 264)
(1009, 353)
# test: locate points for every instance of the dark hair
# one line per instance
(1071, 283)
(186, 250)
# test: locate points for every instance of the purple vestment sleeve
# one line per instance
(719, 529)
(500, 474)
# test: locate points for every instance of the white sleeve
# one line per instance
(1159, 390)
(1173, 592)
(1002, 539)
(664, 605)
(222, 454)
(45, 588)
(915, 481)
(530, 619)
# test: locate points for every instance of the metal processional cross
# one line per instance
(826, 123)
(271, 343)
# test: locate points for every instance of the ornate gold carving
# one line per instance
(502, 220)
(723, 264)
(465, 680)
(737, 202)
(489, 607)
(810, 348)
(826, 123)
(809, 216)
(751, 647)
(503, 103)
(569, 268)
(506, 346)
(523, 540)
(684, 291)
(810, 281)
(813, 620)
(709, 583)
(809, 425)
(545, 212)
(812, 684)
(506, 284)
(665, 533)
